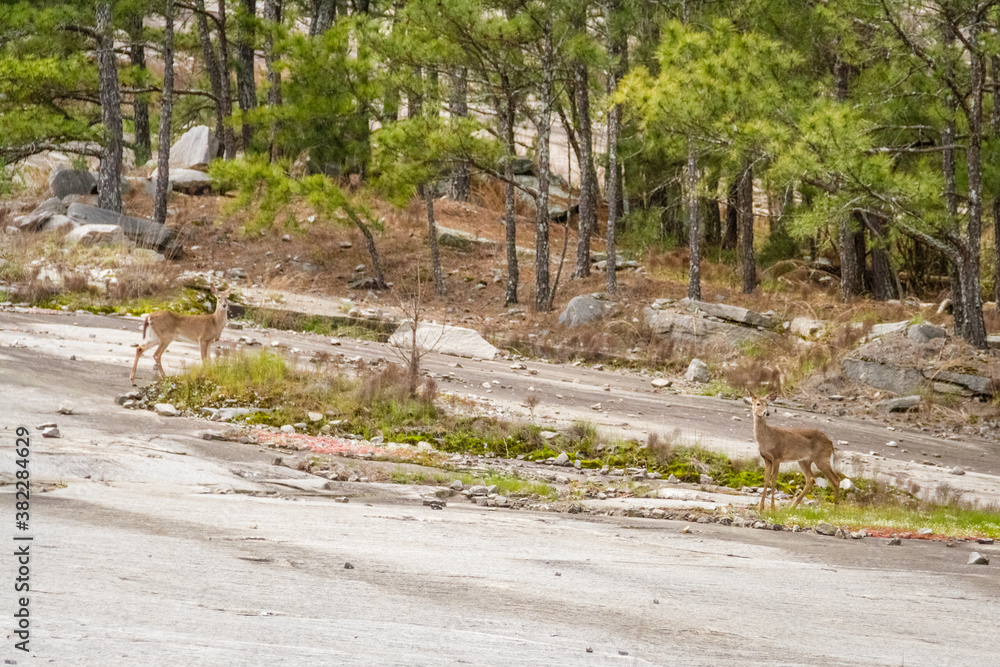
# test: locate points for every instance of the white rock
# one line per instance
(456, 341)
(846, 484)
(315, 416)
(288, 428)
(166, 410)
(195, 149)
(698, 372)
(661, 383)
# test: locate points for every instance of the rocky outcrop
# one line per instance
(187, 181)
(923, 332)
(443, 339)
(195, 149)
(36, 220)
(145, 233)
(684, 328)
(584, 309)
(63, 182)
(887, 377)
(723, 311)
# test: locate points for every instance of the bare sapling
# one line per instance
(411, 352)
(166, 326)
(777, 445)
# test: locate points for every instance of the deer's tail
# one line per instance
(145, 324)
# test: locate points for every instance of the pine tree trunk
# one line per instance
(246, 85)
(461, 182)
(229, 135)
(166, 117)
(272, 14)
(975, 326)
(849, 269)
(995, 130)
(713, 218)
(214, 75)
(324, 12)
(143, 147)
(432, 238)
(542, 281)
(617, 53)
(109, 177)
(587, 220)
(369, 244)
(694, 233)
(883, 283)
(748, 260)
(731, 236)
(506, 111)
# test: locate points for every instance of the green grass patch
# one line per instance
(317, 324)
(949, 520)
(507, 485)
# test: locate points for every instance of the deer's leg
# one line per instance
(827, 469)
(139, 351)
(205, 356)
(775, 469)
(810, 478)
(159, 353)
(767, 482)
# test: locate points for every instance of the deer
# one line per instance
(167, 326)
(777, 445)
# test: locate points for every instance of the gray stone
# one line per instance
(477, 490)
(166, 410)
(661, 383)
(826, 529)
(36, 220)
(91, 235)
(187, 181)
(288, 428)
(697, 371)
(846, 484)
(690, 329)
(977, 384)
(957, 471)
(66, 408)
(562, 459)
(730, 313)
(883, 376)
(902, 404)
(976, 558)
(706, 479)
(64, 182)
(672, 479)
(805, 327)
(584, 309)
(921, 333)
(315, 416)
(457, 485)
(145, 233)
(523, 166)
(51, 432)
(195, 149)
(443, 339)
(888, 328)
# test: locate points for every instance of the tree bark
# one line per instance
(229, 135)
(272, 14)
(748, 260)
(166, 116)
(975, 326)
(143, 147)
(324, 12)
(587, 220)
(883, 283)
(461, 182)
(544, 128)
(694, 233)
(214, 74)
(246, 85)
(506, 112)
(713, 218)
(617, 53)
(428, 197)
(731, 236)
(995, 128)
(109, 178)
(369, 244)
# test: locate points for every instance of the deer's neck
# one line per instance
(221, 314)
(761, 431)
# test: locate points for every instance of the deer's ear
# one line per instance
(773, 395)
(747, 400)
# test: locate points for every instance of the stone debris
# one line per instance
(584, 309)
(51, 432)
(976, 558)
(697, 372)
(166, 410)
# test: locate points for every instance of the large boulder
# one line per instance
(584, 309)
(195, 149)
(697, 372)
(443, 339)
(63, 182)
(35, 221)
(726, 312)
(145, 233)
(187, 181)
(887, 377)
(690, 329)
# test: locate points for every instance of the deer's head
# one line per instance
(221, 298)
(758, 406)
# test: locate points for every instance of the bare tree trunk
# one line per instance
(995, 128)
(324, 12)
(694, 233)
(229, 136)
(272, 14)
(617, 53)
(951, 198)
(731, 236)
(975, 326)
(432, 238)
(166, 117)
(542, 282)
(850, 271)
(109, 178)
(883, 284)
(745, 208)
(214, 75)
(246, 85)
(713, 218)
(369, 244)
(461, 182)
(143, 147)
(506, 112)
(587, 220)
